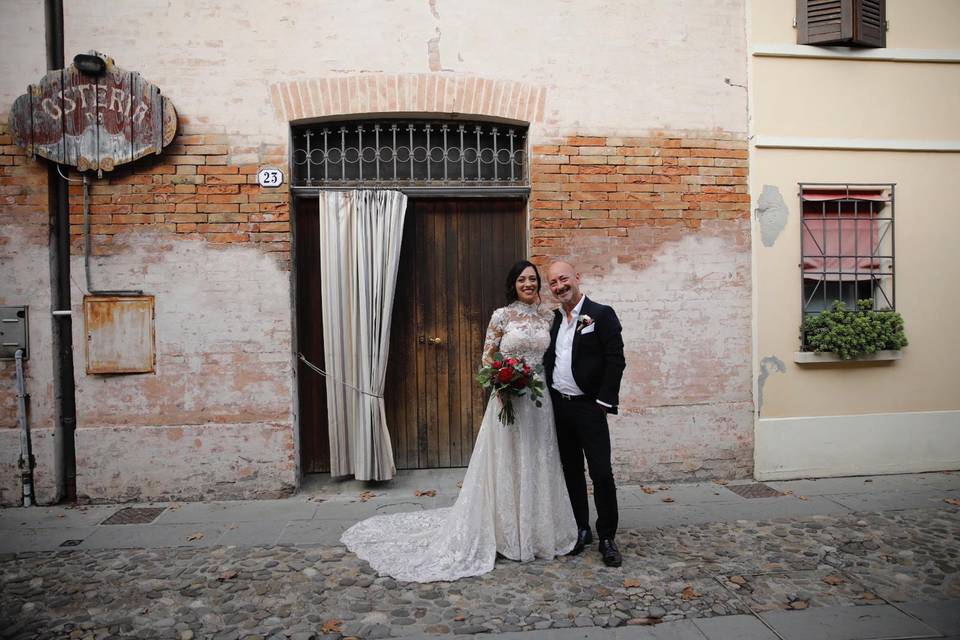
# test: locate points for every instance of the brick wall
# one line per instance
(195, 187)
(604, 186)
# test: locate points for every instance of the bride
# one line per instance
(514, 500)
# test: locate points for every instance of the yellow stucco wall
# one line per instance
(866, 102)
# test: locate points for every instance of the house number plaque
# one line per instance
(270, 177)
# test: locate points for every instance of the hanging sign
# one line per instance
(95, 117)
(270, 177)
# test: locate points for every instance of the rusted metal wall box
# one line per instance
(120, 334)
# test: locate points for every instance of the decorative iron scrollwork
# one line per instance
(409, 153)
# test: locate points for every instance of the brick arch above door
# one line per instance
(410, 93)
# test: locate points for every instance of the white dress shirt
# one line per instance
(563, 368)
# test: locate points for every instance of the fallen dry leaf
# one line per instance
(802, 498)
(647, 622)
(426, 492)
(663, 487)
(668, 499)
(788, 492)
(649, 490)
(228, 575)
(721, 482)
(632, 583)
(459, 617)
(869, 596)
(459, 484)
(954, 501)
(799, 604)
(834, 580)
(738, 580)
(688, 593)
(60, 515)
(331, 626)
(194, 536)
(366, 495)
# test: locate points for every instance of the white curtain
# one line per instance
(360, 233)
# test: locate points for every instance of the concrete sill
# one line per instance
(812, 357)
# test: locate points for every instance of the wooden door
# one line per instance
(311, 387)
(454, 258)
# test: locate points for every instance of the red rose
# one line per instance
(520, 383)
(526, 369)
(497, 364)
(512, 362)
(504, 376)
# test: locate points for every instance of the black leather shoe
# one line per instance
(611, 555)
(584, 537)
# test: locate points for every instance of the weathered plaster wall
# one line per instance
(192, 228)
(221, 394)
(639, 65)
(658, 226)
(686, 393)
(189, 462)
(25, 269)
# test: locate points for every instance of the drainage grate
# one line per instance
(754, 490)
(70, 543)
(135, 515)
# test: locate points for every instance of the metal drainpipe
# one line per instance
(27, 461)
(65, 390)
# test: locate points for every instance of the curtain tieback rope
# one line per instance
(327, 375)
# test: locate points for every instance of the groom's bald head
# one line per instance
(564, 281)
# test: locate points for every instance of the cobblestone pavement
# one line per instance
(286, 591)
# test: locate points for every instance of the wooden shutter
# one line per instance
(869, 23)
(854, 23)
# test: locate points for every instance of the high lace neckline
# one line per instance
(525, 308)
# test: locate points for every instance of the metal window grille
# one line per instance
(847, 245)
(405, 153)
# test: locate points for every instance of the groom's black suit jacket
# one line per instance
(597, 359)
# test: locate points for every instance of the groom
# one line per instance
(584, 365)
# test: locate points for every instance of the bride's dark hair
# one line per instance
(514, 273)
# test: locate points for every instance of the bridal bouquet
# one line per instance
(510, 378)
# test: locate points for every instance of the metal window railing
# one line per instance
(405, 153)
(847, 245)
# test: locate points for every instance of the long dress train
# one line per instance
(513, 500)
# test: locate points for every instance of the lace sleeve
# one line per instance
(491, 342)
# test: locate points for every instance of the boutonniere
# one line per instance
(583, 322)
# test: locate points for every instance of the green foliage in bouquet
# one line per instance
(851, 333)
(508, 378)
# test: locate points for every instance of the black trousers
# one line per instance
(582, 432)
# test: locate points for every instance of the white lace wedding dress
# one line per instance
(513, 500)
